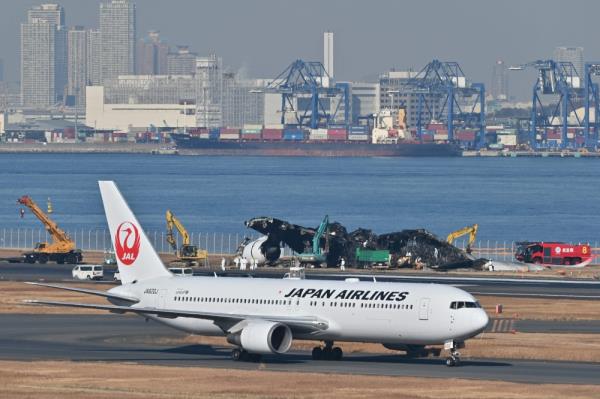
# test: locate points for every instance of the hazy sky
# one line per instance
(371, 36)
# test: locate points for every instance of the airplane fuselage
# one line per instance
(361, 311)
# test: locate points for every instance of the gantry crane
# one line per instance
(470, 230)
(61, 250)
(308, 92)
(561, 79)
(188, 253)
(445, 94)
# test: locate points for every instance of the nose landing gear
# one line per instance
(454, 358)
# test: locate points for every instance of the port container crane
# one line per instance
(461, 103)
(188, 253)
(561, 80)
(61, 250)
(307, 92)
(591, 101)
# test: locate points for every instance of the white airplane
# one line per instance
(262, 316)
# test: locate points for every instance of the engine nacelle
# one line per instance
(263, 337)
(261, 250)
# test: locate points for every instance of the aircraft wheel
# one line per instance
(337, 353)
(451, 361)
(236, 354)
(317, 353)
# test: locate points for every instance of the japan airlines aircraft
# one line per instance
(262, 316)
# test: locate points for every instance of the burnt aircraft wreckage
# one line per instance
(407, 248)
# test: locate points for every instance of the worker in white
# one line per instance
(236, 260)
(254, 264)
(343, 264)
(223, 264)
(244, 263)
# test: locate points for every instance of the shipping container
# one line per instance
(359, 129)
(464, 135)
(337, 134)
(251, 131)
(250, 126)
(229, 136)
(228, 130)
(275, 126)
(293, 134)
(427, 137)
(272, 134)
(204, 136)
(358, 137)
(251, 136)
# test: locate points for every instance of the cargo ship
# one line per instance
(194, 144)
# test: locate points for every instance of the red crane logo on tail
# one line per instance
(127, 243)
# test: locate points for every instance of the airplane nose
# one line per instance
(480, 320)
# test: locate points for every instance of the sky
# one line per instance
(262, 37)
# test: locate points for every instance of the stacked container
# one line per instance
(272, 134)
(251, 132)
(229, 134)
(293, 134)
(358, 133)
(318, 135)
(214, 133)
(337, 134)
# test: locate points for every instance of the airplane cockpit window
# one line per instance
(464, 304)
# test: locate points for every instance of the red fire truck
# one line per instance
(552, 253)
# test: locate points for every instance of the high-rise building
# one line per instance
(151, 55)
(43, 56)
(183, 62)
(573, 55)
(77, 42)
(117, 31)
(94, 56)
(500, 81)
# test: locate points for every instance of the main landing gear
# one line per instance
(328, 352)
(454, 358)
(238, 354)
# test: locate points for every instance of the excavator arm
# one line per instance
(470, 230)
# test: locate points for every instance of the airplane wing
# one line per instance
(103, 294)
(224, 320)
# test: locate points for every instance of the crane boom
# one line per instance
(319, 234)
(188, 253)
(57, 234)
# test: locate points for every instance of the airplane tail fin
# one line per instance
(136, 258)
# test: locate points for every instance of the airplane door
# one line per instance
(424, 309)
(161, 299)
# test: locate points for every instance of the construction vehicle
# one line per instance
(61, 250)
(372, 257)
(470, 230)
(316, 256)
(188, 253)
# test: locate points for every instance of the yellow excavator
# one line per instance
(188, 253)
(470, 230)
(61, 250)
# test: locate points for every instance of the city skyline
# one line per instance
(360, 53)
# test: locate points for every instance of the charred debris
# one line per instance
(407, 248)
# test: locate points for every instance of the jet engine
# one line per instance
(263, 337)
(261, 250)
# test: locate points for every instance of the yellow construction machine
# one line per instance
(188, 253)
(61, 250)
(470, 230)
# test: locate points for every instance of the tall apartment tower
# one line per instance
(573, 55)
(151, 57)
(183, 62)
(77, 42)
(328, 53)
(500, 81)
(43, 56)
(94, 57)
(117, 35)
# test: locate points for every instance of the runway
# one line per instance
(111, 338)
(564, 288)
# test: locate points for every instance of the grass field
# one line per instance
(69, 380)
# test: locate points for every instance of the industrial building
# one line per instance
(134, 102)
(499, 89)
